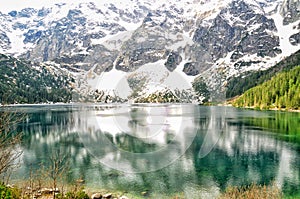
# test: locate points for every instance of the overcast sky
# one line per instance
(9, 5)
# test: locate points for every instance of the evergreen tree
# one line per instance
(282, 91)
(20, 82)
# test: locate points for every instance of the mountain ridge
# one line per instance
(209, 40)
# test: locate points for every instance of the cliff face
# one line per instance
(210, 39)
(239, 29)
(290, 10)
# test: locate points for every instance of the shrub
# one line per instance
(252, 192)
(9, 193)
(74, 195)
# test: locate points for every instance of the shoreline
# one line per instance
(95, 104)
(270, 109)
(259, 109)
(271, 191)
(146, 104)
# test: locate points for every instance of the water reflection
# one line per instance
(136, 139)
(191, 150)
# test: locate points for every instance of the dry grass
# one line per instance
(252, 192)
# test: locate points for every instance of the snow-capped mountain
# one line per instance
(126, 48)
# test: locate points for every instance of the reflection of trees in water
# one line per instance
(286, 124)
(138, 117)
(240, 169)
(241, 155)
(133, 144)
(244, 155)
(47, 131)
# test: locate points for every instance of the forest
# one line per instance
(26, 82)
(237, 85)
(280, 92)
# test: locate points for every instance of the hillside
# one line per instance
(282, 91)
(26, 82)
(237, 85)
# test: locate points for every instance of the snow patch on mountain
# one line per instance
(112, 83)
(113, 42)
(284, 32)
(179, 41)
(157, 74)
(159, 43)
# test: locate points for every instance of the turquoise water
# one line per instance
(164, 150)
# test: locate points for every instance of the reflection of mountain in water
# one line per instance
(138, 139)
(237, 153)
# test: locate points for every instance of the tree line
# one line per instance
(282, 91)
(21, 82)
(237, 85)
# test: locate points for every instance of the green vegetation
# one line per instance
(237, 85)
(286, 125)
(282, 91)
(201, 90)
(252, 191)
(15, 193)
(159, 97)
(25, 82)
(9, 193)
(80, 194)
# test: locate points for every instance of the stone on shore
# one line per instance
(108, 195)
(96, 196)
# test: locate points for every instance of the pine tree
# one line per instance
(282, 91)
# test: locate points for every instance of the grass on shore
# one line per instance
(252, 192)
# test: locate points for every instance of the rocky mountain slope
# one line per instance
(26, 82)
(125, 49)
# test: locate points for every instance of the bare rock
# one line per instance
(144, 193)
(108, 195)
(45, 191)
(96, 196)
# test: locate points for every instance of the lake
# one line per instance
(164, 150)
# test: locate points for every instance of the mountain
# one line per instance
(26, 82)
(282, 91)
(127, 50)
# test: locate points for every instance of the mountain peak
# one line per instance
(199, 38)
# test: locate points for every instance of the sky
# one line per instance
(9, 5)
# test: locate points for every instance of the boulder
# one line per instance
(144, 193)
(96, 196)
(108, 195)
(45, 191)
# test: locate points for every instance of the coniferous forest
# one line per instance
(24, 82)
(282, 92)
(237, 85)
